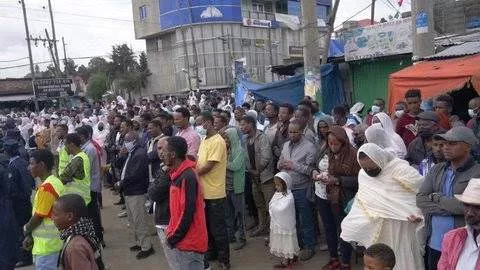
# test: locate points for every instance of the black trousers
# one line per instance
(432, 257)
(94, 213)
(217, 229)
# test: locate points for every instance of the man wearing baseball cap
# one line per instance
(442, 211)
(419, 148)
(460, 248)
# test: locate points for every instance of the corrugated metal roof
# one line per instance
(467, 48)
(457, 39)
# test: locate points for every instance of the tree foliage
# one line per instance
(97, 86)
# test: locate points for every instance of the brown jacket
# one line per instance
(78, 255)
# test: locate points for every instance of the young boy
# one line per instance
(379, 257)
(81, 248)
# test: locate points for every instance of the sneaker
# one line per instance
(122, 214)
(120, 202)
(135, 248)
(333, 264)
(306, 254)
(238, 245)
(145, 253)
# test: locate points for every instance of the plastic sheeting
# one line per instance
(285, 91)
(333, 93)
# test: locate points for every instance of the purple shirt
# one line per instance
(193, 140)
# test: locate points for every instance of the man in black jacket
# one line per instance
(134, 183)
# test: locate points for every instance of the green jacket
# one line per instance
(236, 160)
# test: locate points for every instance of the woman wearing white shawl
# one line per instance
(384, 209)
(377, 135)
(387, 124)
(100, 132)
(283, 232)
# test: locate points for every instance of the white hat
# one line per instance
(471, 195)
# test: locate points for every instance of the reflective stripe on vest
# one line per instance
(63, 160)
(46, 237)
(81, 186)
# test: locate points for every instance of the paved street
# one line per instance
(118, 239)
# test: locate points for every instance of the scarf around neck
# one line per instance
(83, 227)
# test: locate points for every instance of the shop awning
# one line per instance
(434, 77)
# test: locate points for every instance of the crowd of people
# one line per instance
(401, 189)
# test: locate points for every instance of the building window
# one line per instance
(258, 7)
(143, 12)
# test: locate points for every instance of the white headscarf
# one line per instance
(282, 207)
(390, 195)
(377, 135)
(387, 125)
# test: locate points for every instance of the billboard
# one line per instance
(182, 12)
(52, 88)
(378, 40)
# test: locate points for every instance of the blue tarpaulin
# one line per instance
(285, 91)
(332, 87)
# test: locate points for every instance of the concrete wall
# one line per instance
(171, 57)
(149, 26)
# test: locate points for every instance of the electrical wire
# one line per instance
(13, 60)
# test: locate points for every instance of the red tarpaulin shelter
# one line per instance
(434, 78)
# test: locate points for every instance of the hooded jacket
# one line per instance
(187, 229)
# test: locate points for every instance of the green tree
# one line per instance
(83, 72)
(97, 86)
(70, 67)
(98, 64)
(143, 69)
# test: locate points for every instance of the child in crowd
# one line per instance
(283, 233)
(379, 257)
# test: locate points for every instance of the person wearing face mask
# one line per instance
(134, 182)
(384, 207)
(420, 147)
(378, 106)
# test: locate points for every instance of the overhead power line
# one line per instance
(13, 60)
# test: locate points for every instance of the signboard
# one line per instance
(53, 88)
(378, 40)
(421, 22)
(257, 23)
(295, 51)
(184, 12)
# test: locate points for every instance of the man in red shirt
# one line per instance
(187, 230)
(407, 124)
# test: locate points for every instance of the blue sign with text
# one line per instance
(182, 12)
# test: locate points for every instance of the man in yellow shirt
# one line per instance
(212, 170)
(41, 235)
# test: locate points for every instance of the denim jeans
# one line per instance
(305, 217)
(46, 262)
(235, 216)
(217, 229)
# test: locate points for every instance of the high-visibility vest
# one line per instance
(46, 237)
(63, 160)
(81, 186)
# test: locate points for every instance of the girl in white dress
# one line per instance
(283, 232)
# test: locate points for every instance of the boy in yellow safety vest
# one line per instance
(41, 235)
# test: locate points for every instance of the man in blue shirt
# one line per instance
(442, 211)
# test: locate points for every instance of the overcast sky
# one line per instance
(88, 35)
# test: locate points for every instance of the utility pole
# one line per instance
(194, 47)
(65, 56)
(270, 45)
(311, 52)
(187, 62)
(372, 13)
(30, 56)
(54, 36)
(50, 49)
(328, 37)
(423, 29)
